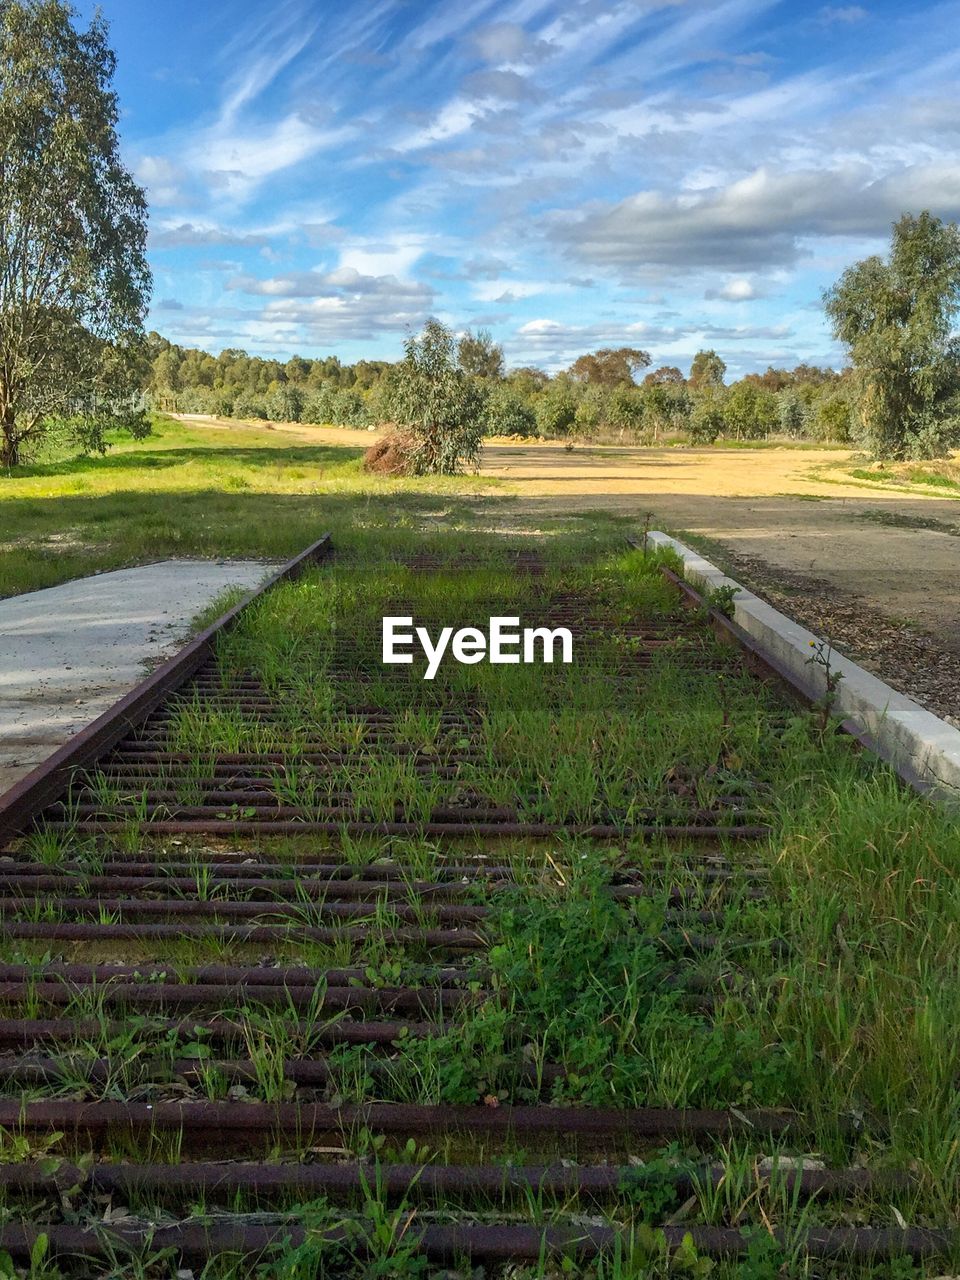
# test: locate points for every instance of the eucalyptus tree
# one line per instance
(896, 317)
(706, 371)
(439, 406)
(479, 355)
(74, 281)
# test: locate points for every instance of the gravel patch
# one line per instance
(923, 666)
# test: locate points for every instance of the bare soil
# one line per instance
(876, 572)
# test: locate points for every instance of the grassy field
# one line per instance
(188, 491)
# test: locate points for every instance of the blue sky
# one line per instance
(323, 176)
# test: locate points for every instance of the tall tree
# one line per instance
(706, 371)
(479, 355)
(896, 317)
(74, 281)
(609, 366)
(666, 375)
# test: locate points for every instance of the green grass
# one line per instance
(935, 478)
(193, 491)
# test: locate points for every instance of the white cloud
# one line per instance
(758, 221)
(494, 290)
(452, 119)
(341, 283)
(739, 290)
(378, 257)
(186, 235)
(162, 178)
(237, 162)
(509, 42)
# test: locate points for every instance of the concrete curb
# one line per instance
(912, 735)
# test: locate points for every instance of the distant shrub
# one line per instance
(508, 415)
(706, 417)
(592, 409)
(439, 406)
(750, 411)
(625, 411)
(556, 409)
(245, 406)
(285, 404)
(348, 408)
(833, 418)
(222, 404)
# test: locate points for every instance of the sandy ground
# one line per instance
(769, 506)
(69, 652)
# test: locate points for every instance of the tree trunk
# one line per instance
(9, 444)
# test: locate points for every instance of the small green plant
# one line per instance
(723, 599)
(822, 657)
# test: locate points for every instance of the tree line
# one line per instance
(610, 393)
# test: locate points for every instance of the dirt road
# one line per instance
(767, 505)
(877, 573)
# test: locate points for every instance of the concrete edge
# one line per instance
(912, 735)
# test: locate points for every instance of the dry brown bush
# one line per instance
(390, 455)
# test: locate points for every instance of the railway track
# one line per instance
(254, 995)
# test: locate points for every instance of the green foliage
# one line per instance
(896, 317)
(509, 414)
(479, 356)
(626, 407)
(707, 419)
(440, 406)
(666, 403)
(285, 404)
(556, 408)
(74, 281)
(749, 411)
(706, 371)
(833, 417)
(246, 406)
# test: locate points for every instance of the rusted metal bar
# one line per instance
(259, 975)
(300, 1118)
(87, 931)
(312, 1072)
(290, 888)
(197, 995)
(21, 1033)
(137, 908)
(449, 1244)
(403, 1180)
(521, 830)
(300, 889)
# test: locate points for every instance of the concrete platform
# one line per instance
(913, 736)
(68, 653)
